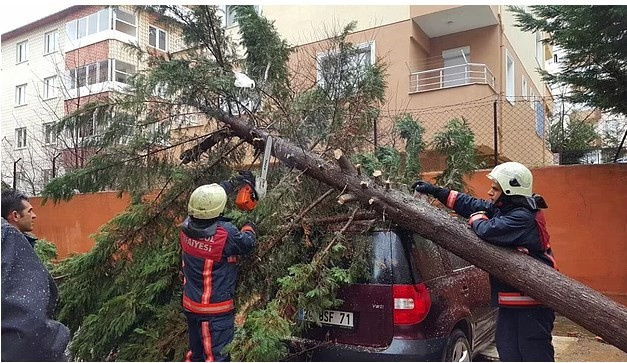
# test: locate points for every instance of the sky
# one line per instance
(22, 13)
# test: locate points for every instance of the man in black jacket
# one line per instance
(512, 218)
(29, 295)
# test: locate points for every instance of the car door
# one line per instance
(475, 290)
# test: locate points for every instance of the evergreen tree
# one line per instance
(595, 50)
(122, 300)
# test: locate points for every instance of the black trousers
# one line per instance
(208, 335)
(524, 334)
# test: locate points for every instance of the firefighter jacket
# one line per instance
(209, 249)
(29, 299)
(515, 222)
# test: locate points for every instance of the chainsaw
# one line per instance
(248, 195)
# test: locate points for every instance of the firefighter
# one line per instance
(512, 218)
(210, 244)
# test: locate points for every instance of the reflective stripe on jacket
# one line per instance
(507, 225)
(209, 250)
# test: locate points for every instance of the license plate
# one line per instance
(331, 317)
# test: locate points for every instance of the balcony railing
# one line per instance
(453, 76)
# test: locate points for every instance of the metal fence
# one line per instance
(513, 130)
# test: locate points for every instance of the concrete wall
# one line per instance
(587, 221)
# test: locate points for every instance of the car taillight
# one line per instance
(411, 303)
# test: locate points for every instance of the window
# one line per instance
(532, 99)
(229, 15)
(98, 22)
(20, 137)
(157, 38)
(47, 175)
(456, 70)
(89, 74)
(555, 58)
(49, 133)
(539, 119)
(510, 93)
(340, 72)
(21, 52)
(20, 95)
(539, 48)
(123, 70)
(51, 43)
(50, 87)
(125, 22)
(524, 88)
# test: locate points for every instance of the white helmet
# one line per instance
(514, 178)
(207, 201)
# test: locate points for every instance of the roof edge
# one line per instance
(37, 23)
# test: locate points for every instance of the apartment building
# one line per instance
(52, 66)
(443, 62)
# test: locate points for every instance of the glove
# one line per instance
(424, 187)
(246, 176)
(250, 226)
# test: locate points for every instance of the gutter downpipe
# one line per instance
(501, 76)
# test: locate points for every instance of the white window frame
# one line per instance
(532, 99)
(20, 95)
(21, 52)
(50, 87)
(51, 45)
(20, 138)
(510, 79)
(360, 47)
(49, 133)
(228, 16)
(524, 87)
(157, 38)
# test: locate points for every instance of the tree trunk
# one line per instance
(585, 306)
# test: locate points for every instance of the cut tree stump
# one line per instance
(583, 305)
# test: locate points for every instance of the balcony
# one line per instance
(453, 76)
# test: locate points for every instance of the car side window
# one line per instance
(457, 262)
(428, 258)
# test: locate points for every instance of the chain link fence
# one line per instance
(523, 130)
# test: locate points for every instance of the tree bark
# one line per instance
(585, 306)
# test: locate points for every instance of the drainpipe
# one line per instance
(501, 60)
(15, 172)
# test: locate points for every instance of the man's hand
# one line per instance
(424, 187)
(246, 176)
(250, 226)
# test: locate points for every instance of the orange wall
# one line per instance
(69, 224)
(587, 220)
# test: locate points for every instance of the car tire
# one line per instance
(457, 348)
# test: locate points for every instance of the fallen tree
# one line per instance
(585, 306)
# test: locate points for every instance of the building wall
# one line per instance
(37, 111)
(305, 24)
(586, 221)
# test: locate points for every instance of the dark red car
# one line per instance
(420, 303)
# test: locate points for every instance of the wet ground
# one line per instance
(573, 343)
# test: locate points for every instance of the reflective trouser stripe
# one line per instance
(206, 341)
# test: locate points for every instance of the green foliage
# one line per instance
(47, 252)
(593, 40)
(572, 136)
(121, 300)
(456, 141)
(412, 132)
